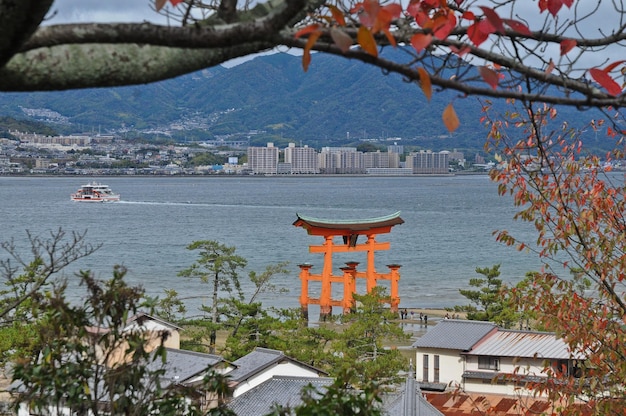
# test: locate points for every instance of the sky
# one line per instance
(83, 11)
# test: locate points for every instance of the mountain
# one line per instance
(337, 101)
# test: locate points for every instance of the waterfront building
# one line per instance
(303, 160)
(341, 160)
(263, 160)
(423, 162)
(376, 159)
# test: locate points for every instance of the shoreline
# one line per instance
(434, 313)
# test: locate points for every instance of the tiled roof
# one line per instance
(281, 390)
(181, 365)
(396, 404)
(464, 404)
(454, 334)
(260, 359)
(508, 343)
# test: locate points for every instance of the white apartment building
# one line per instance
(263, 160)
(376, 160)
(302, 160)
(338, 160)
(428, 162)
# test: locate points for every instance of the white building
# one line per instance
(303, 160)
(341, 160)
(263, 160)
(428, 162)
(376, 159)
(480, 357)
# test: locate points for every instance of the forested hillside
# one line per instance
(337, 101)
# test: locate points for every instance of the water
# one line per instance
(447, 232)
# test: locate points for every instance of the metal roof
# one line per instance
(509, 343)
(454, 334)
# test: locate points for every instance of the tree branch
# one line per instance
(19, 20)
(105, 65)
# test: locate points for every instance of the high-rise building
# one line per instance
(263, 160)
(341, 160)
(376, 159)
(303, 160)
(428, 162)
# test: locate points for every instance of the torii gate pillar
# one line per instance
(350, 232)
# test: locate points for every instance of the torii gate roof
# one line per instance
(318, 226)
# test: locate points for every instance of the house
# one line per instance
(154, 330)
(479, 357)
(438, 357)
(262, 364)
(155, 327)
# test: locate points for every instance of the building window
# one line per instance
(425, 368)
(565, 367)
(436, 369)
(489, 363)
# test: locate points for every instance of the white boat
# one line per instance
(95, 192)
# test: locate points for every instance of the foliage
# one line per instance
(310, 344)
(26, 279)
(576, 205)
(249, 324)
(218, 266)
(8, 124)
(359, 345)
(206, 159)
(170, 307)
(87, 356)
(489, 300)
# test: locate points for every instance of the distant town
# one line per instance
(27, 154)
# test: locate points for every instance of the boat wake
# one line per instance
(200, 204)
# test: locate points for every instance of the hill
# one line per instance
(336, 102)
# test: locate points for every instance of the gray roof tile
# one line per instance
(260, 359)
(181, 364)
(281, 390)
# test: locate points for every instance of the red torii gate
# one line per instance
(350, 230)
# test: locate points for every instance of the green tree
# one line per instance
(248, 323)
(89, 361)
(488, 302)
(170, 307)
(360, 344)
(26, 279)
(218, 266)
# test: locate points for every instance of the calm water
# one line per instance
(447, 231)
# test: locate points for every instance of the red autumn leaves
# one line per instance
(159, 4)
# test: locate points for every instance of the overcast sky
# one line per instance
(74, 11)
(83, 11)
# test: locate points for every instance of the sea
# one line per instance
(448, 229)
